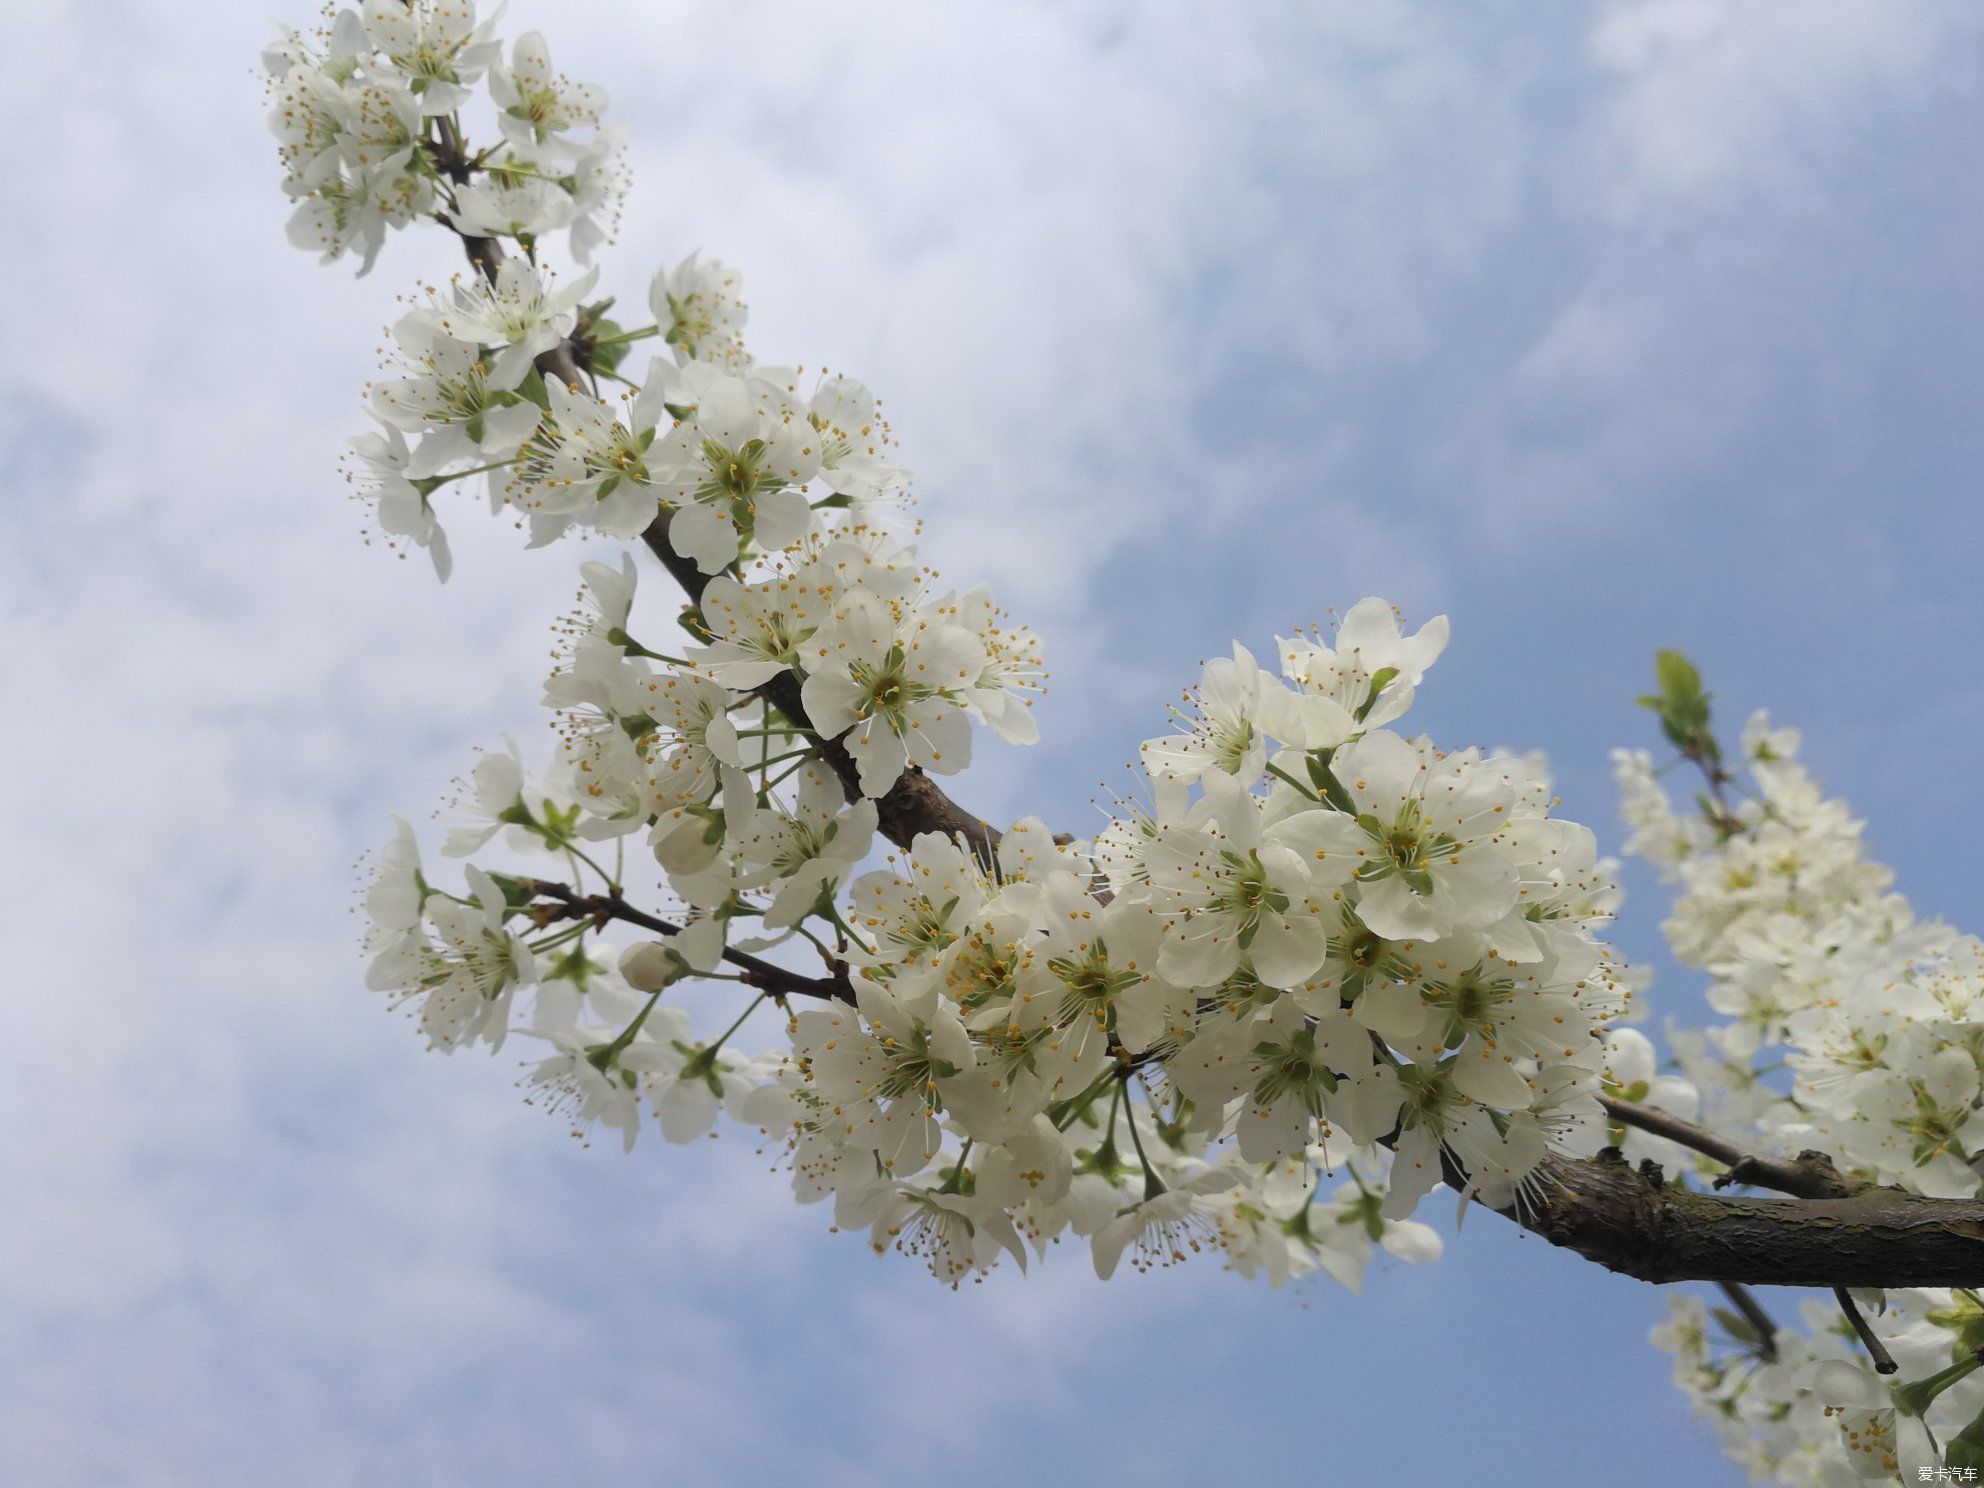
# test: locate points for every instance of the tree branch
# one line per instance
(778, 980)
(1877, 1351)
(1810, 1175)
(1761, 1322)
(1631, 1222)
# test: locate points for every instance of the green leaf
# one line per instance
(1683, 707)
(1677, 676)
(1965, 1319)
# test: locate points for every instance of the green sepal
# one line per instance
(515, 894)
(1325, 781)
(593, 328)
(1966, 1448)
(559, 827)
(1915, 1399)
(574, 966)
(533, 390)
(1380, 680)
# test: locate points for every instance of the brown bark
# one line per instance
(1630, 1222)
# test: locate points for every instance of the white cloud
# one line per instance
(1724, 102)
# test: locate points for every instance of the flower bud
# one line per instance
(650, 966)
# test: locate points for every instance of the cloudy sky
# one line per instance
(1596, 327)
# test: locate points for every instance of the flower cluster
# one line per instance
(764, 486)
(366, 115)
(1817, 965)
(1853, 1028)
(1807, 1411)
(1323, 949)
(1321, 967)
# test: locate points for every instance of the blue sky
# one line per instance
(1598, 328)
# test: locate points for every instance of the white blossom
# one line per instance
(701, 318)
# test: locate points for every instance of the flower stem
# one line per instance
(1153, 1185)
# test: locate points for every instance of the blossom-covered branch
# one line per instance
(1318, 967)
(1853, 1039)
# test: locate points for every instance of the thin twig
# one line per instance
(778, 980)
(1810, 1175)
(1761, 1322)
(1721, 817)
(1876, 1350)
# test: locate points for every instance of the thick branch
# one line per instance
(1629, 1221)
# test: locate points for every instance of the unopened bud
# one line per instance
(650, 966)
